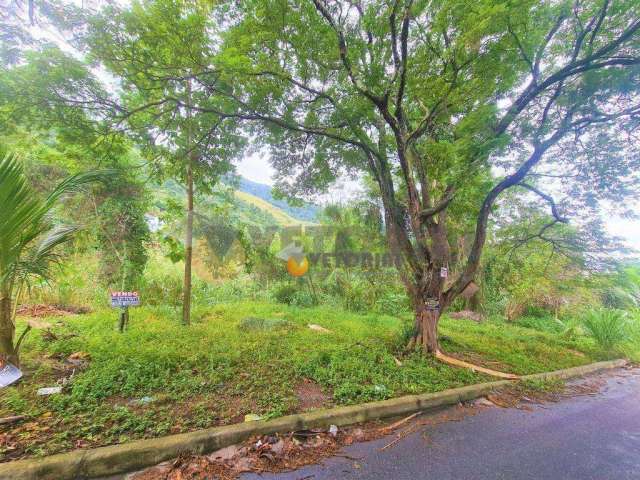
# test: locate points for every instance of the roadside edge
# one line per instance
(127, 457)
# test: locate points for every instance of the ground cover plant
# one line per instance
(240, 358)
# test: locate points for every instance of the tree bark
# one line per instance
(426, 327)
(429, 322)
(7, 332)
(188, 250)
(188, 237)
(426, 330)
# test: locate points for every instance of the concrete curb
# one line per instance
(105, 461)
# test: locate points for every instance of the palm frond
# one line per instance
(21, 214)
(75, 182)
(38, 261)
(27, 238)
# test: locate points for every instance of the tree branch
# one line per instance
(444, 203)
(548, 199)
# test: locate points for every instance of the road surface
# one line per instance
(586, 437)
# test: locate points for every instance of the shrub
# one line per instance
(618, 297)
(569, 327)
(285, 293)
(242, 288)
(608, 327)
(158, 290)
(303, 298)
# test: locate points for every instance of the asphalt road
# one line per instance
(583, 437)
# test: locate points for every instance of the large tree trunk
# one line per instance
(426, 328)
(7, 332)
(188, 250)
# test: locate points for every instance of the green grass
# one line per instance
(214, 372)
(522, 350)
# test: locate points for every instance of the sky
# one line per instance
(629, 230)
(256, 168)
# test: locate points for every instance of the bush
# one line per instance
(608, 327)
(162, 290)
(358, 292)
(303, 298)
(75, 284)
(619, 298)
(242, 288)
(285, 293)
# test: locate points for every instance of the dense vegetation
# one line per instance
(159, 377)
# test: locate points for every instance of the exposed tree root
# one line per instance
(459, 363)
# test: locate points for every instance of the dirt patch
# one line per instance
(468, 315)
(43, 310)
(14, 439)
(310, 395)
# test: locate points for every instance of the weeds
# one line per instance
(245, 357)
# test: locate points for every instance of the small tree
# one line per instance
(152, 48)
(39, 120)
(28, 241)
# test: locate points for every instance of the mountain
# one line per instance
(307, 213)
(254, 204)
(258, 211)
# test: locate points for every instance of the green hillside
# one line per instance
(247, 208)
(279, 216)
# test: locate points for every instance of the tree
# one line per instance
(152, 49)
(446, 105)
(28, 241)
(57, 139)
(122, 230)
(529, 268)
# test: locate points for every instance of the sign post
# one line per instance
(124, 300)
(432, 304)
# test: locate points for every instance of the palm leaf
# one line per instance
(75, 182)
(39, 259)
(24, 221)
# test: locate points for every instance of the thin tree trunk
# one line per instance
(188, 238)
(188, 250)
(7, 332)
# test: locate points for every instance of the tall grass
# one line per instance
(608, 327)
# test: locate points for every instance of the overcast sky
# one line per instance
(256, 168)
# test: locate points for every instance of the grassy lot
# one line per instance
(239, 358)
